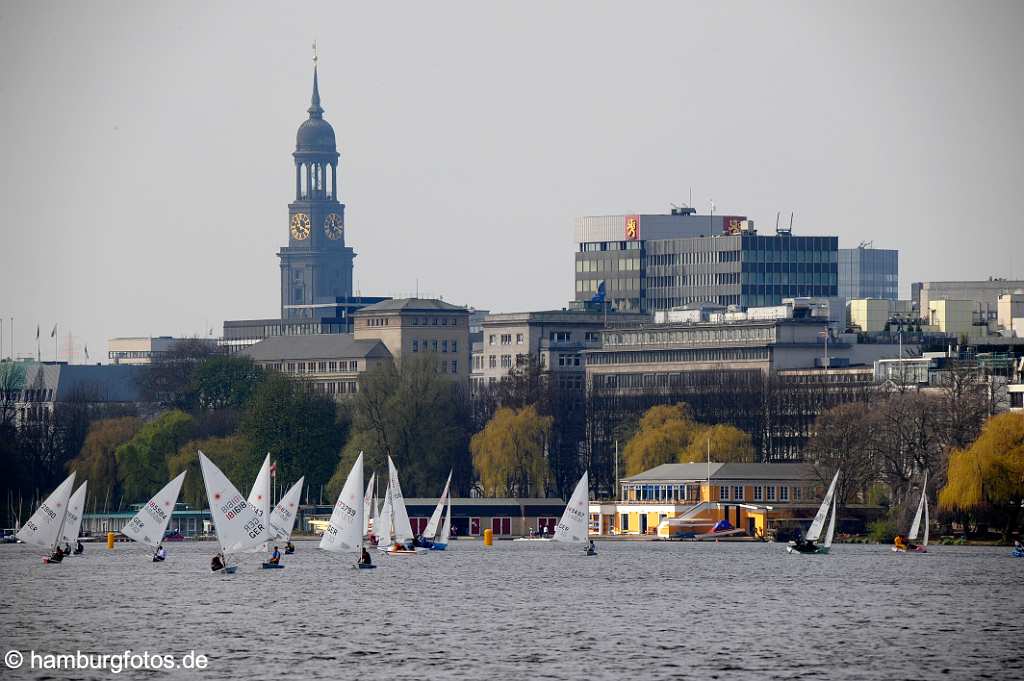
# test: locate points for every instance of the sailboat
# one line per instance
(435, 535)
(344, 532)
(150, 523)
(399, 524)
(259, 495)
(915, 527)
(807, 545)
(239, 527)
(382, 528)
(73, 521)
(370, 510)
(573, 527)
(282, 518)
(46, 525)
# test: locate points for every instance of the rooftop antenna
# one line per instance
(777, 214)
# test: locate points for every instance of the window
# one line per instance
(624, 523)
(353, 365)
(783, 493)
(723, 492)
(798, 493)
(737, 492)
(455, 346)
(501, 526)
(492, 361)
(560, 336)
(770, 492)
(433, 345)
(519, 339)
(506, 339)
(506, 361)
(444, 346)
(491, 339)
(415, 345)
(758, 493)
(455, 366)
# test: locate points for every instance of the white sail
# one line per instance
(239, 528)
(916, 525)
(368, 504)
(400, 516)
(832, 522)
(282, 518)
(435, 517)
(73, 521)
(345, 530)
(149, 524)
(819, 519)
(573, 527)
(446, 525)
(383, 531)
(259, 497)
(44, 527)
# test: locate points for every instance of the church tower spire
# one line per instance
(315, 111)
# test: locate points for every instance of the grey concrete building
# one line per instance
(316, 265)
(329, 363)
(552, 339)
(866, 272)
(34, 390)
(645, 263)
(983, 294)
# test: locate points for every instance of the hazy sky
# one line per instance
(145, 147)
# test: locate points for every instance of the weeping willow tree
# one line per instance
(986, 480)
(509, 453)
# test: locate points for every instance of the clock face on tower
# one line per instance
(300, 226)
(333, 226)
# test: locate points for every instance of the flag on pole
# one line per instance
(86, 350)
(54, 332)
(273, 470)
(37, 332)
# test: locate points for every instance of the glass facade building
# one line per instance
(744, 269)
(868, 273)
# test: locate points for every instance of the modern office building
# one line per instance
(984, 295)
(145, 349)
(644, 263)
(552, 339)
(866, 272)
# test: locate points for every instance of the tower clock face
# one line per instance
(333, 226)
(300, 226)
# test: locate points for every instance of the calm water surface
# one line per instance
(522, 610)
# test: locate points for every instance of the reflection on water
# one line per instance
(533, 611)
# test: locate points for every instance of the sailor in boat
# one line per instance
(217, 562)
(532, 533)
(275, 557)
(591, 550)
(58, 555)
(803, 545)
(79, 549)
(364, 557)
(67, 549)
(289, 548)
(160, 554)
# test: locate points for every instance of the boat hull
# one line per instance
(916, 549)
(230, 570)
(361, 566)
(817, 551)
(438, 547)
(273, 566)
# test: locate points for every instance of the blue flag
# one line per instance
(599, 296)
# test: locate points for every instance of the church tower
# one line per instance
(316, 265)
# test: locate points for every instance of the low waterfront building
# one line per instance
(685, 500)
(187, 522)
(505, 517)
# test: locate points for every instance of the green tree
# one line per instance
(728, 444)
(417, 416)
(142, 461)
(225, 382)
(508, 453)
(665, 433)
(987, 478)
(234, 455)
(302, 430)
(97, 461)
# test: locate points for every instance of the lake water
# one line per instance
(530, 610)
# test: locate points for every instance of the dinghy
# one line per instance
(441, 541)
(908, 546)
(73, 521)
(396, 536)
(150, 523)
(45, 527)
(806, 545)
(282, 518)
(369, 507)
(573, 527)
(344, 532)
(431, 537)
(239, 528)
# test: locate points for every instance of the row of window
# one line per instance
(594, 246)
(737, 334)
(761, 493)
(434, 345)
(320, 367)
(336, 387)
(693, 280)
(690, 492)
(505, 339)
(435, 321)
